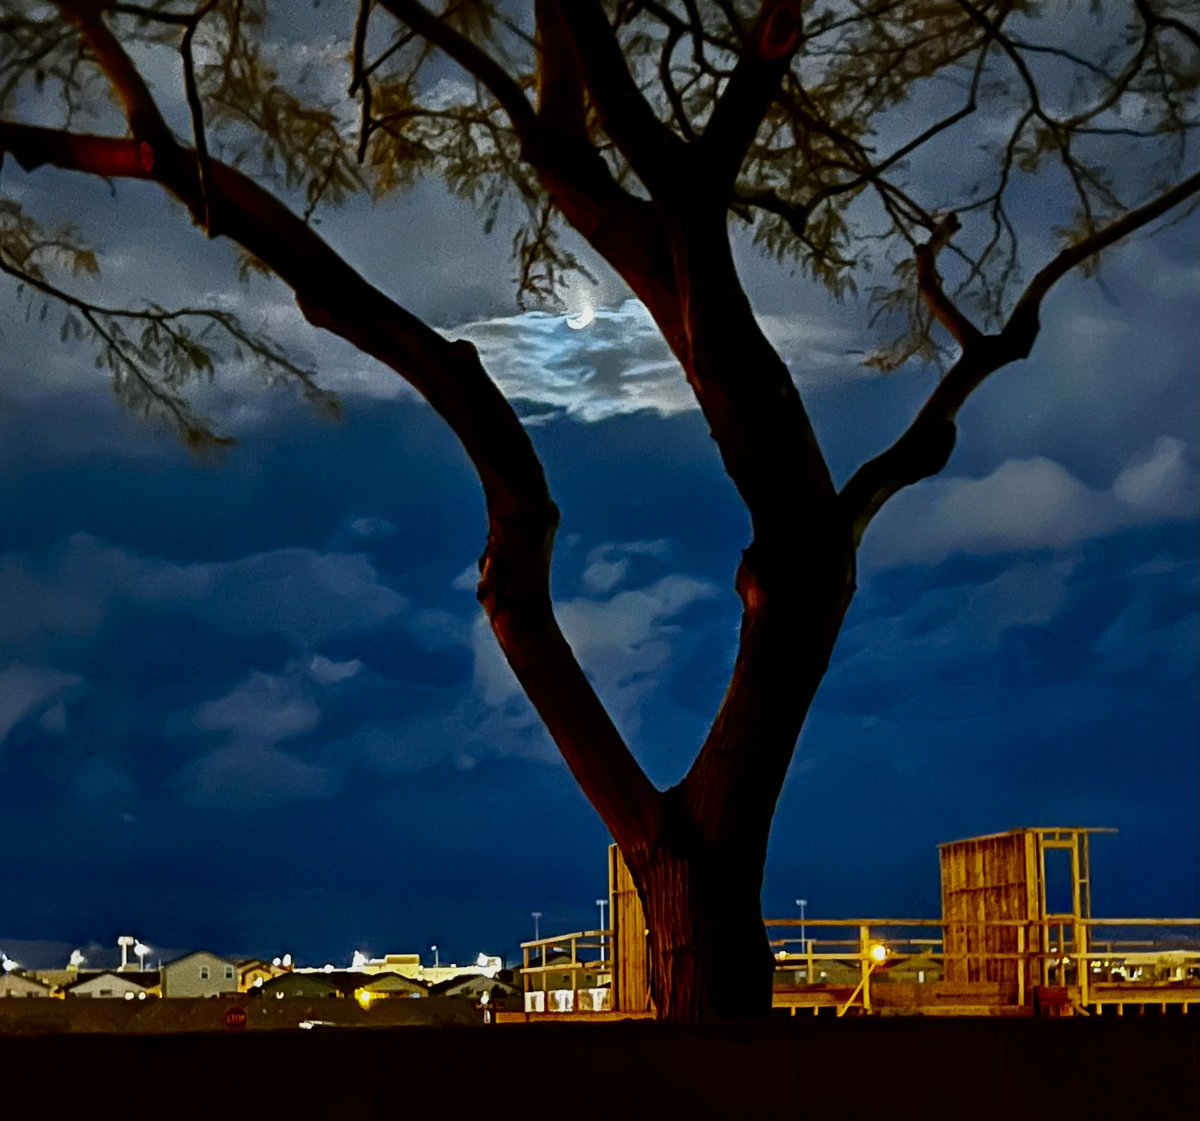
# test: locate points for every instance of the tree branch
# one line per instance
(477, 62)
(515, 569)
(925, 446)
(196, 109)
(1031, 299)
(944, 310)
(752, 87)
(658, 157)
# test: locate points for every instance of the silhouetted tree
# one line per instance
(651, 127)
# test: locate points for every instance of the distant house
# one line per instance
(253, 973)
(407, 965)
(499, 992)
(364, 987)
(200, 974)
(310, 986)
(384, 985)
(17, 984)
(115, 985)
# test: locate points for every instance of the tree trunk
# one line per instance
(708, 951)
(700, 876)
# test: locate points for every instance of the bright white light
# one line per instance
(77, 959)
(359, 960)
(879, 953)
(586, 314)
(10, 965)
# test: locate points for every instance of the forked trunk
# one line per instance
(708, 951)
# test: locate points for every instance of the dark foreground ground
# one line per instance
(973, 1070)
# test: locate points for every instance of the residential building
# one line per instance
(200, 974)
(113, 984)
(14, 983)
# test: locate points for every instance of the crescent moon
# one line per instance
(579, 322)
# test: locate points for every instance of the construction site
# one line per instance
(1016, 938)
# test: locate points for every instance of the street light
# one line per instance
(437, 961)
(142, 951)
(802, 903)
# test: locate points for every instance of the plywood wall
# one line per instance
(631, 963)
(990, 894)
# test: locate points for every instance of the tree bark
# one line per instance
(709, 957)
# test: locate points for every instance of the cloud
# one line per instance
(608, 565)
(623, 643)
(250, 770)
(1031, 504)
(328, 672)
(261, 709)
(24, 688)
(1162, 483)
(299, 592)
(620, 363)
(245, 777)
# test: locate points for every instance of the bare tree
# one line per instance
(650, 127)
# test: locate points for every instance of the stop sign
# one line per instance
(235, 1018)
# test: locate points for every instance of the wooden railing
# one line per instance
(840, 964)
(574, 955)
(1059, 953)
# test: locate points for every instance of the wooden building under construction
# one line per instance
(1016, 938)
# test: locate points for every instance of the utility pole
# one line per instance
(802, 903)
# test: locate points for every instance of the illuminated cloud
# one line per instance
(1031, 504)
(617, 362)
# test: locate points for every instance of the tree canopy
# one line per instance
(832, 132)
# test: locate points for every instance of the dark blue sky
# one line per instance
(251, 705)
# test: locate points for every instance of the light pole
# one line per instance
(601, 903)
(537, 934)
(437, 961)
(802, 903)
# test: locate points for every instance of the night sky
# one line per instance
(250, 703)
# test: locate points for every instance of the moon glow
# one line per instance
(580, 321)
